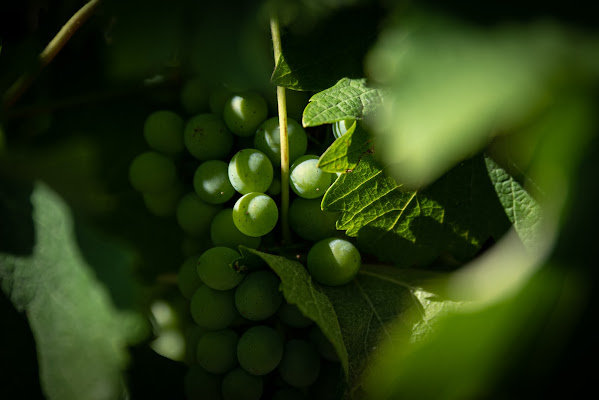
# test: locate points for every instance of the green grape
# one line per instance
(260, 350)
(288, 394)
(194, 216)
(215, 271)
(200, 384)
(223, 232)
(258, 296)
(188, 279)
(207, 137)
(333, 261)
(340, 128)
(194, 96)
(243, 113)
(239, 385)
(291, 315)
(217, 351)
(307, 180)
(217, 99)
(151, 172)
(164, 204)
(275, 187)
(163, 131)
(255, 214)
(268, 140)
(309, 221)
(300, 364)
(213, 309)
(193, 333)
(324, 345)
(211, 182)
(250, 171)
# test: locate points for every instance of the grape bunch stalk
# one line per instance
(248, 342)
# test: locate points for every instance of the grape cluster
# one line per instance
(247, 342)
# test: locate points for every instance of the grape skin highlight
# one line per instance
(243, 113)
(307, 180)
(250, 171)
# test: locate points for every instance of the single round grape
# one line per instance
(188, 279)
(340, 128)
(213, 309)
(194, 216)
(223, 232)
(259, 350)
(243, 113)
(268, 140)
(255, 214)
(258, 296)
(323, 345)
(250, 171)
(207, 137)
(288, 394)
(333, 261)
(239, 385)
(310, 222)
(164, 204)
(211, 182)
(194, 96)
(163, 131)
(217, 351)
(307, 180)
(300, 364)
(217, 99)
(291, 315)
(215, 271)
(275, 187)
(152, 172)
(200, 384)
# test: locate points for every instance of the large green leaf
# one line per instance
(454, 216)
(344, 153)
(80, 336)
(348, 98)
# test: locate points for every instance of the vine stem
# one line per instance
(15, 92)
(281, 101)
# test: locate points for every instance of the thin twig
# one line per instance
(14, 93)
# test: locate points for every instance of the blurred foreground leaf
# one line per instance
(80, 336)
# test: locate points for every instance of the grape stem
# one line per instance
(15, 92)
(276, 41)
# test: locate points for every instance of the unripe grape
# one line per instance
(223, 232)
(307, 180)
(213, 309)
(194, 216)
(268, 140)
(255, 214)
(163, 131)
(340, 128)
(207, 137)
(300, 364)
(188, 279)
(217, 351)
(243, 113)
(211, 182)
(310, 222)
(259, 350)
(152, 172)
(239, 385)
(258, 296)
(333, 261)
(250, 171)
(215, 271)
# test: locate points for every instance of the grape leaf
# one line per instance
(348, 98)
(454, 216)
(80, 336)
(345, 153)
(299, 289)
(521, 208)
(318, 58)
